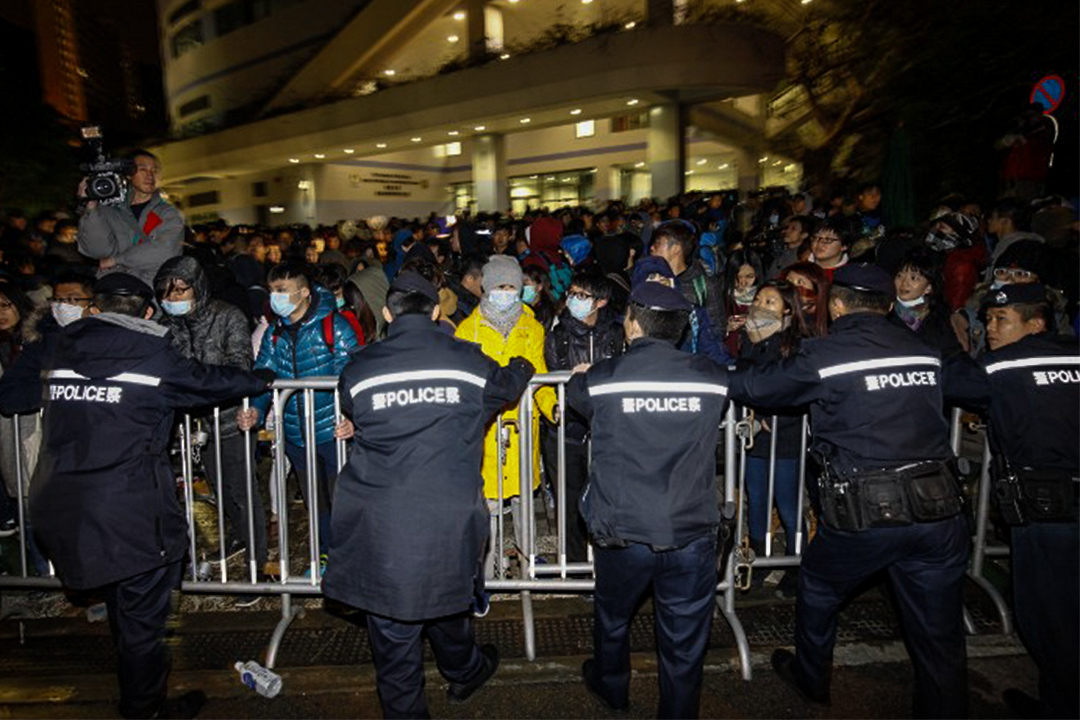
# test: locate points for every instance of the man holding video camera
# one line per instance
(139, 232)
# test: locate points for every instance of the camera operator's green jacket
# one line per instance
(139, 247)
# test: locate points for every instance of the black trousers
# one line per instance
(1046, 600)
(138, 610)
(577, 477)
(926, 563)
(684, 589)
(398, 653)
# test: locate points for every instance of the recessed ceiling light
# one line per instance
(586, 2)
(459, 15)
(632, 101)
(389, 73)
(575, 111)
(764, 159)
(480, 128)
(453, 133)
(416, 139)
(452, 38)
(639, 164)
(725, 166)
(689, 172)
(630, 25)
(525, 121)
(533, 177)
(319, 156)
(551, 177)
(504, 56)
(380, 145)
(294, 160)
(348, 151)
(702, 161)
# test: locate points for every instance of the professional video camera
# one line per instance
(106, 177)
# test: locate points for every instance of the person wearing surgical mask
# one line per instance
(216, 333)
(503, 329)
(586, 332)
(744, 275)
(773, 330)
(919, 304)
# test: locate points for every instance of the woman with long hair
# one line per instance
(773, 330)
(15, 308)
(812, 287)
(742, 278)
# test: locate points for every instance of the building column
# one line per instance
(659, 13)
(489, 173)
(666, 151)
(748, 169)
(477, 19)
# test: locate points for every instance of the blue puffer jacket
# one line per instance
(299, 351)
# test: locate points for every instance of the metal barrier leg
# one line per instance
(726, 602)
(528, 544)
(978, 554)
(288, 614)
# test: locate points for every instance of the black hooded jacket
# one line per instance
(214, 332)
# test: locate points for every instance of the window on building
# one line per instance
(203, 198)
(585, 128)
(240, 13)
(187, 38)
(629, 121)
(193, 106)
(183, 11)
(259, 189)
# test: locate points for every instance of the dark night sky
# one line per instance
(138, 19)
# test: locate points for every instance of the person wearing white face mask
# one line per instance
(215, 332)
(919, 304)
(503, 329)
(587, 331)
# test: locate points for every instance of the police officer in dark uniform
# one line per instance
(1028, 384)
(651, 501)
(889, 498)
(103, 501)
(410, 523)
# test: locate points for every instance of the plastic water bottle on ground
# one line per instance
(263, 681)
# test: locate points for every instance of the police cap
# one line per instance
(658, 296)
(865, 278)
(1013, 294)
(648, 267)
(119, 283)
(414, 282)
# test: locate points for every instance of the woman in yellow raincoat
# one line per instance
(504, 327)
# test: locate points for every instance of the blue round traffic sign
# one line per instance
(1048, 93)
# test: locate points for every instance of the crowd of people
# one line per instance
(770, 280)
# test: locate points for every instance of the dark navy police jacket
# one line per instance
(409, 520)
(103, 500)
(874, 391)
(655, 414)
(1031, 390)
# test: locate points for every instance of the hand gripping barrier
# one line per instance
(535, 572)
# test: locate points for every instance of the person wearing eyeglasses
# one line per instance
(829, 245)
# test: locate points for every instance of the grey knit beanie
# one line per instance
(501, 270)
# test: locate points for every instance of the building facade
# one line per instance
(316, 111)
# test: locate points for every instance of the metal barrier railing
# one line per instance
(535, 573)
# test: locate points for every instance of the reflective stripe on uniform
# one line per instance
(66, 375)
(136, 379)
(878, 364)
(657, 387)
(459, 375)
(1032, 362)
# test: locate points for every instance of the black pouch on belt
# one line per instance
(933, 491)
(1047, 496)
(883, 499)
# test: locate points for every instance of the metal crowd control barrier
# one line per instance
(534, 574)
